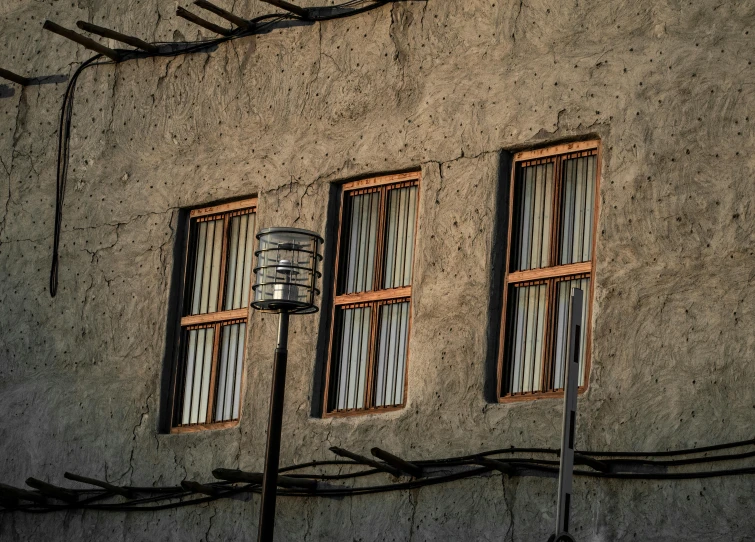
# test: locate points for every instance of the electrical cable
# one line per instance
(547, 467)
(257, 25)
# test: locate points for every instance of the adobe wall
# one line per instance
(444, 86)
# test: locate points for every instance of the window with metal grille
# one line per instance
(369, 341)
(552, 223)
(217, 284)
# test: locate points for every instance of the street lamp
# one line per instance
(286, 283)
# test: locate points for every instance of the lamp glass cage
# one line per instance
(286, 273)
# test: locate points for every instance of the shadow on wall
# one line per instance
(8, 91)
(497, 263)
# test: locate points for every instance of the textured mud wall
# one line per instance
(444, 86)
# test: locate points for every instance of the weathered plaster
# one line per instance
(438, 85)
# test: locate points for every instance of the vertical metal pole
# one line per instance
(566, 471)
(272, 452)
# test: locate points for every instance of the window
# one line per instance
(552, 223)
(371, 316)
(216, 296)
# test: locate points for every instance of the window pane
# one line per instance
(393, 328)
(399, 237)
(578, 204)
(230, 365)
(239, 261)
(198, 362)
(563, 316)
(349, 371)
(207, 257)
(360, 242)
(525, 338)
(532, 217)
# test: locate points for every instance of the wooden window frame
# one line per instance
(577, 270)
(374, 298)
(209, 320)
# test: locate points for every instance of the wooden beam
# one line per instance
(117, 36)
(211, 317)
(10, 492)
(296, 10)
(374, 295)
(18, 79)
(189, 16)
(234, 475)
(549, 272)
(405, 466)
(82, 40)
(220, 12)
(99, 483)
(366, 461)
(56, 492)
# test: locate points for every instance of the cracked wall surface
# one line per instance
(440, 86)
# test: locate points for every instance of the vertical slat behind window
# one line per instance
(393, 327)
(360, 242)
(207, 261)
(197, 376)
(239, 264)
(533, 216)
(248, 254)
(399, 245)
(578, 209)
(350, 371)
(563, 316)
(229, 375)
(526, 323)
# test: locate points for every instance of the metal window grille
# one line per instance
(217, 285)
(371, 316)
(551, 251)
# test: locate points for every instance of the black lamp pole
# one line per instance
(272, 452)
(286, 283)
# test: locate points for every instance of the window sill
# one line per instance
(535, 396)
(203, 427)
(362, 412)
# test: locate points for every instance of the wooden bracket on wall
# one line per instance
(14, 493)
(18, 79)
(117, 36)
(189, 16)
(292, 8)
(394, 461)
(366, 461)
(55, 492)
(227, 15)
(233, 475)
(82, 40)
(122, 491)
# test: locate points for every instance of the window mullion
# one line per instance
(370, 377)
(545, 384)
(556, 227)
(380, 249)
(223, 261)
(213, 375)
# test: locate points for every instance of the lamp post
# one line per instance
(285, 283)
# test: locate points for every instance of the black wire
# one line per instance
(64, 132)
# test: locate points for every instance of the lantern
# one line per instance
(286, 273)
